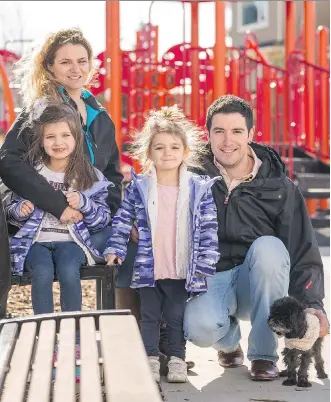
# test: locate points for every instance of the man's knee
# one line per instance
(267, 253)
(203, 330)
(200, 333)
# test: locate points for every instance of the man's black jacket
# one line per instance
(269, 205)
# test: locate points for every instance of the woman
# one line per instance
(58, 70)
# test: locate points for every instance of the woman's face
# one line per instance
(71, 66)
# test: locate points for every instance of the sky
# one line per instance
(35, 19)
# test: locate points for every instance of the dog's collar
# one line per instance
(310, 337)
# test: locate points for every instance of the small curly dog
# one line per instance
(301, 330)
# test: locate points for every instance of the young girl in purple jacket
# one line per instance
(43, 245)
(176, 219)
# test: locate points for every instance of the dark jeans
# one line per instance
(168, 299)
(63, 259)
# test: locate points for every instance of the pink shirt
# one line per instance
(165, 233)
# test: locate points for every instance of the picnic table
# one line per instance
(113, 364)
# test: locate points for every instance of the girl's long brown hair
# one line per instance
(79, 173)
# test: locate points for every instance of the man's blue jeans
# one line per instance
(63, 259)
(244, 292)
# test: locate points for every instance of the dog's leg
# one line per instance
(291, 361)
(306, 358)
(319, 362)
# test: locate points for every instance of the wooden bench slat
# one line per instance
(7, 342)
(65, 380)
(15, 384)
(90, 384)
(127, 374)
(40, 386)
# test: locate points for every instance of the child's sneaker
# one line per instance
(177, 370)
(154, 364)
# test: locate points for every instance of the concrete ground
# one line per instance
(208, 382)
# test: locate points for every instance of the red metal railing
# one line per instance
(263, 86)
(310, 127)
(267, 88)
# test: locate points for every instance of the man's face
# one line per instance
(229, 139)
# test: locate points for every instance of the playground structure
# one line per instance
(7, 58)
(291, 104)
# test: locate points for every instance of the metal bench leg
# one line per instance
(98, 293)
(3, 306)
(108, 291)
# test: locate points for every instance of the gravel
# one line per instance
(19, 299)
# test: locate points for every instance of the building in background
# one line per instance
(266, 19)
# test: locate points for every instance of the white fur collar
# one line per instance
(311, 335)
(182, 217)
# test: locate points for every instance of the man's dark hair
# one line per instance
(227, 104)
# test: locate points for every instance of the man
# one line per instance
(267, 244)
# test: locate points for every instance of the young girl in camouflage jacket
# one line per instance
(43, 245)
(176, 218)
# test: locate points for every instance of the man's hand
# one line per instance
(134, 235)
(73, 199)
(110, 258)
(26, 208)
(71, 215)
(324, 324)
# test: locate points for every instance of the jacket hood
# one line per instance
(201, 184)
(86, 96)
(272, 162)
(99, 185)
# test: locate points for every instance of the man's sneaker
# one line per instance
(154, 364)
(177, 370)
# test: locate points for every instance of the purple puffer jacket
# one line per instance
(96, 216)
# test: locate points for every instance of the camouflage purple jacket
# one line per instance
(96, 216)
(203, 241)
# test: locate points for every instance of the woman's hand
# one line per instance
(73, 199)
(110, 258)
(26, 208)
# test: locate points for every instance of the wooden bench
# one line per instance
(113, 363)
(102, 274)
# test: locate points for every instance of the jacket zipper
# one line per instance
(88, 254)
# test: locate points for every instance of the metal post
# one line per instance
(219, 50)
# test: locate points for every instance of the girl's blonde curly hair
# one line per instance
(32, 70)
(170, 120)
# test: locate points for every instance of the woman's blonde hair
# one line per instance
(32, 70)
(170, 120)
